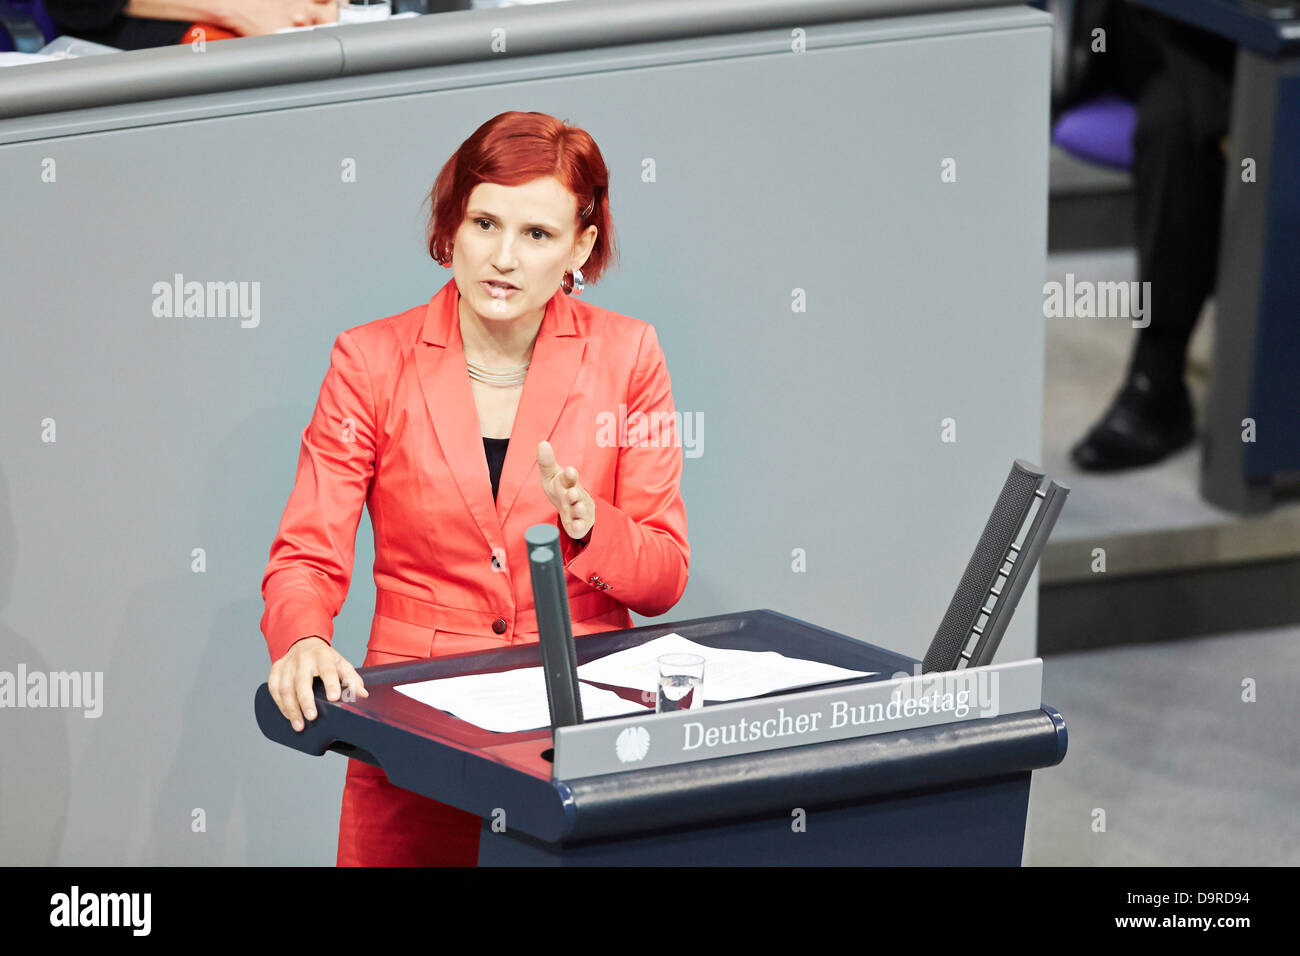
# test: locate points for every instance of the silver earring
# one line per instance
(573, 282)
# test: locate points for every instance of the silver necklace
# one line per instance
(502, 377)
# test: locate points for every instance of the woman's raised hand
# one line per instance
(576, 507)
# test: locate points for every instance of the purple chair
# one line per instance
(25, 25)
(1099, 130)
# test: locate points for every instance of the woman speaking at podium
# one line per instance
(502, 403)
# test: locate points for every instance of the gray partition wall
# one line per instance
(841, 247)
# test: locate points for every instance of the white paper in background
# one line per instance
(22, 59)
(345, 19)
(511, 701)
(728, 674)
(490, 4)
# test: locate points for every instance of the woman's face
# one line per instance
(523, 236)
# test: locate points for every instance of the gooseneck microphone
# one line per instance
(554, 625)
(997, 572)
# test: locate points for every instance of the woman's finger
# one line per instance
(330, 678)
(352, 678)
(546, 461)
(283, 695)
(302, 686)
(273, 685)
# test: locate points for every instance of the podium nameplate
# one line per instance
(795, 719)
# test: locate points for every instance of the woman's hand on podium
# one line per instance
(292, 675)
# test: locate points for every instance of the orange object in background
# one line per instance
(208, 31)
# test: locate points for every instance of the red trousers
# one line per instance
(384, 825)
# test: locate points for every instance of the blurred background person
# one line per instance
(139, 24)
(1180, 79)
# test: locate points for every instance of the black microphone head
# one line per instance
(982, 571)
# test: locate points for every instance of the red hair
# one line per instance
(515, 148)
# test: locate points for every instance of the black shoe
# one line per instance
(1145, 424)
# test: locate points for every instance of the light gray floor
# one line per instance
(1185, 770)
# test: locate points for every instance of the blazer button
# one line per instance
(499, 625)
(495, 563)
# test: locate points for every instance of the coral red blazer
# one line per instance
(396, 428)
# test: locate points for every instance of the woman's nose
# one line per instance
(504, 254)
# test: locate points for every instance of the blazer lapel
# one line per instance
(551, 374)
(440, 362)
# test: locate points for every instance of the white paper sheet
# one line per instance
(22, 59)
(511, 701)
(728, 674)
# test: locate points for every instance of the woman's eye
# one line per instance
(537, 234)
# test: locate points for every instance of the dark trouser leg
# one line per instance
(1178, 180)
(1178, 184)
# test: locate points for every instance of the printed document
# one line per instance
(511, 701)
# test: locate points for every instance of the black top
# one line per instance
(495, 449)
(103, 21)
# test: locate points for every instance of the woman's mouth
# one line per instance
(498, 290)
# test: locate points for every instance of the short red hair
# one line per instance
(515, 148)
